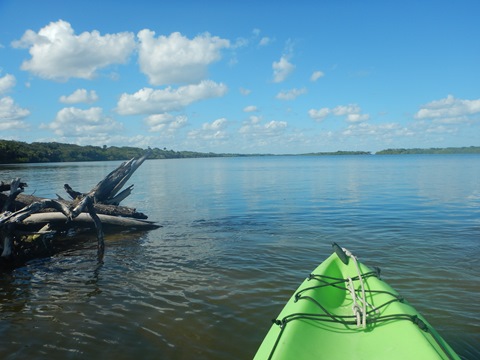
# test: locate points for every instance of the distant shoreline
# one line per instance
(15, 152)
(447, 150)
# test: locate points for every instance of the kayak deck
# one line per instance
(345, 311)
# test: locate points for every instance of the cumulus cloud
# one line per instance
(250, 108)
(264, 41)
(281, 69)
(150, 101)
(255, 128)
(58, 54)
(215, 125)
(12, 125)
(11, 115)
(71, 122)
(6, 83)
(165, 122)
(291, 94)
(244, 91)
(274, 126)
(387, 131)
(177, 59)
(320, 114)
(254, 120)
(449, 110)
(211, 131)
(316, 75)
(80, 96)
(351, 112)
(240, 42)
(355, 117)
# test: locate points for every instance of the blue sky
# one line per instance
(241, 76)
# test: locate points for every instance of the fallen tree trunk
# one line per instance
(11, 219)
(7, 186)
(105, 192)
(58, 220)
(23, 200)
(25, 218)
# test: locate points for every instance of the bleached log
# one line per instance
(117, 199)
(10, 219)
(105, 192)
(113, 182)
(25, 214)
(57, 219)
(23, 200)
(16, 187)
(6, 186)
(73, 194)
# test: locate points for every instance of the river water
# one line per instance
(239, 235)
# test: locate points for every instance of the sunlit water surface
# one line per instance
(238, 236)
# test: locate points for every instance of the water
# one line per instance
(238, 236)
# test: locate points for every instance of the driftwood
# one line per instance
(26, 218)
(10, 219)
(7, 186)
(58, 220)
(105, 192)
(23, 200)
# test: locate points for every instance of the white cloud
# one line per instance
(245, 92)
(215, 125)
(345, 109)
(6, 83)
(254, 128)
(12, 125)
(449, 110)
(176, 59)
(384, 132)
(274, 126)
(11, 115)
(240, 42)
(316, 75)
(352, 113)
(320, 114)
(282, 69)
(427, 127)
(150, 101)
(71, 122)
(255, 119)
(166, 122)
(80, 96)
(58, 54)
(250, 108)
(357, 117)
(211, 131)
(440, 129)
(291, 94)
(264, 41)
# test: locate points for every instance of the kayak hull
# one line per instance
(319, 320)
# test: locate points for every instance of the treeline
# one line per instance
(448, 150)
(339, 153)
(13, 152)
